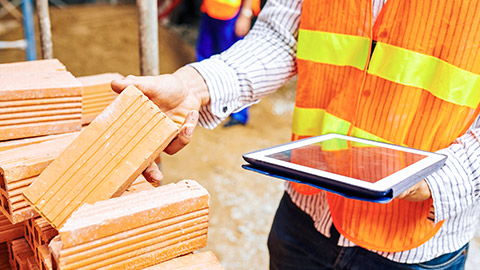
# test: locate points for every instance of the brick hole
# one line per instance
(54, 264)
(37, 237)
(5, 204)
(2, 183)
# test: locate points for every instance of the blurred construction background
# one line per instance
(93, 37)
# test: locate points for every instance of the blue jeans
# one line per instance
(294, 243)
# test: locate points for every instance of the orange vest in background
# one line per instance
(419, 88)
(226, 9)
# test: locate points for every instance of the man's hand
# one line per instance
(418, 192)
(180, 96)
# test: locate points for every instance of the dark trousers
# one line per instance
(294, 243)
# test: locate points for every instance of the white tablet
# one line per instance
(347, 165)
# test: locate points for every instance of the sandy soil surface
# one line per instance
(97, 39)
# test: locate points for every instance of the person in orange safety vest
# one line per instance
(396, 71)
(223, 23)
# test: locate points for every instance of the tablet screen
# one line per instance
(346, 161)
(356, 160)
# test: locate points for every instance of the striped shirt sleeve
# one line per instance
(456, 186)
(254, 66)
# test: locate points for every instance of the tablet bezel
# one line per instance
(414, 172)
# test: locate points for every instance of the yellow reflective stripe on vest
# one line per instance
(335, 49)
(314, 122)
(233, 3)
(438, 77)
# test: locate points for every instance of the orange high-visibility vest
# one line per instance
(226, 9)
(417, 85)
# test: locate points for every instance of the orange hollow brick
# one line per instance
(20, 252)
(104, 160)
(44, 258)
(36, 66)
(97, 94)
(28, 234)
(197, 261)
(39, 103)
(38, 232)
(6, 145)
(9, 231)
(161, 224)
(43, 232)
(4, 257)
(19, 167)
(32, 264)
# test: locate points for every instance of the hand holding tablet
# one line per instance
(349, 166)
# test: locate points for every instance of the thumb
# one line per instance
(153, 175)
(119, 85)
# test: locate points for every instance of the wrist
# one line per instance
(194, 82)
(247, 12)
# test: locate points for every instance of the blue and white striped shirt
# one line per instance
(265, 59)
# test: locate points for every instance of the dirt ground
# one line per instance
(101, 38)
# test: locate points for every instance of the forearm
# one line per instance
(193, 81)
(255, 66)
(247, 4)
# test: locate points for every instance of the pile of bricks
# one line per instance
(73, 197)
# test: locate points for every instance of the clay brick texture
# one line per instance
(97, 94)
(134, 231)
(6, 145)
(20, 253)
(140, 184)
(38, 233)
(4, 257)
(32, 66)
(198, 261)
(19, 166)
(104, 160)
(38, 98)
(9, 231)
(44, 258)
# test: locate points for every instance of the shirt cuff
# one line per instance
(223, 87)
(449, 187)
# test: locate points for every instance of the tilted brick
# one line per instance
(104, 160)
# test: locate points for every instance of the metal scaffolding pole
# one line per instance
(148, 31)
(29, 28)
(45, 29)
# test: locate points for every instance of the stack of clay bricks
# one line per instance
(38, 98)
(40, 115)
(74, 198)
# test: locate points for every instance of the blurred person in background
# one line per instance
(223, 23)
